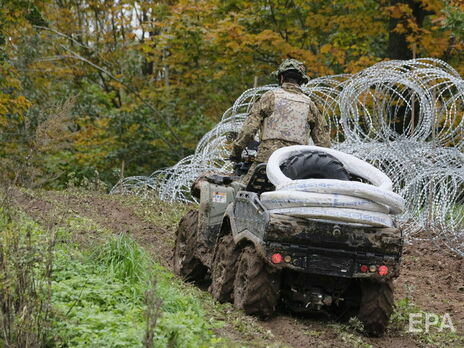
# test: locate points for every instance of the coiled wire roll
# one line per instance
(361, 203)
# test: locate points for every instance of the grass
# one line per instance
(92, 308)
(399, 324)
(84, 242)
(351, 333)
(155, 211)
(99, 298)
(123, 258)
(26, 256)
(101, 281)
(98, 295)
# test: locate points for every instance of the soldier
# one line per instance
(285, 116)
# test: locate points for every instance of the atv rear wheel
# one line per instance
(376, 306)
(223, 269)
(186, 264)
(256, 285)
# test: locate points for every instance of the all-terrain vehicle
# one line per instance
(259, 260)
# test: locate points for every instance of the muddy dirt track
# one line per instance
(431, 277)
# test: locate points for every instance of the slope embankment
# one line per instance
(431, 281)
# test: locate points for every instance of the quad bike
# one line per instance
(258, 260)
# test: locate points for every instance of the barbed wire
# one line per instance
(405, 117)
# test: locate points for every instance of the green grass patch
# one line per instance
(99, 300)
(351, 333)
(98, 296)
(433, 336)
(124, 259)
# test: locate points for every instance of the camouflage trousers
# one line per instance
(265, 150)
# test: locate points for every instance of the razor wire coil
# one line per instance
(404, 117)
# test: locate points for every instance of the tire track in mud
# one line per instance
(421, 270)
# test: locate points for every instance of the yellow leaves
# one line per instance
(157, 143)
(115, 84)
(132, 130)
(233, 45)
(268, 35)
(337, 54)
(11, 14)
(4, 105)
(13, 105)
(92, 142)
(3, 119)
(360, 64)
(426, 37)
(399, 10)
(11, 82)
(219, 74)
(434, 46)
(412, 25)
(21, 104)
(433, 5)
(326, 48)
(457, 3)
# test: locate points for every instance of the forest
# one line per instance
(96, 90)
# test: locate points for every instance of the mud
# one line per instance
(431, 276)
(55, 207)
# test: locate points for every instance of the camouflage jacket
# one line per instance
(284, 114)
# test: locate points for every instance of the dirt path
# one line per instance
(54, 207)
(431, 277)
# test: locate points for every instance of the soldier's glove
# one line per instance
(235, 158)
(235, 154)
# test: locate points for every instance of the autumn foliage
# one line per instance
(99, 89)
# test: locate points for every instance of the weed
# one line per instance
(314, 333)
(154, 211)
(105, 299)
(91, 307)
(399, 322)
(124, 258)
(26, 257)
(152, 314)
(354, 340)
(350, 333)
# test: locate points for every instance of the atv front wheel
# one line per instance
(256, 285)
(376, 306)
(223, 269)
(186, 264)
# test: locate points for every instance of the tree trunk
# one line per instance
(397, 43)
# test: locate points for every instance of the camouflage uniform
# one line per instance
(285, 116)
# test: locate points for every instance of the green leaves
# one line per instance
(148, 79)
(99, 300)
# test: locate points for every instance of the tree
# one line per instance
(96, 87)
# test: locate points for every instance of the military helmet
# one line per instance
(291, 64)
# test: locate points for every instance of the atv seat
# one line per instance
(259, 181)
(221, 179)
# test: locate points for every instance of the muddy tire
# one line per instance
(376, 306)
(223, 269)
(186, 264)
(256, 285)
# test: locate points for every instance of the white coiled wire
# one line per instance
(331, 199)
(403, 116)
